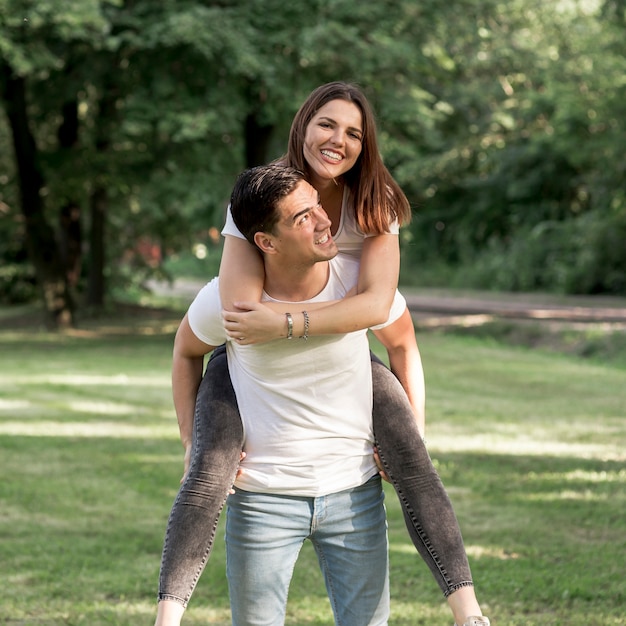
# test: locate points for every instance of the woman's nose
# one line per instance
(338, 137)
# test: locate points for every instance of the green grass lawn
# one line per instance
(530, 444)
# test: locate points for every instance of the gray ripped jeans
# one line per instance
(217, 443)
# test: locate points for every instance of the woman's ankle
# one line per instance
(463, 604)
(169, 613)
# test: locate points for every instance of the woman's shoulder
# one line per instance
(349, 237)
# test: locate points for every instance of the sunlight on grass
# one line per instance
(524, 446)
(115, 430)
(569, 494)
(594, 477)
(117, 380)
(576, 492)
(580, 476)
(473, 551)
(147, 328)
(566, 435)
(105, 408)
(401, 548)
(13, 405)
(103, 613)
(490, 552)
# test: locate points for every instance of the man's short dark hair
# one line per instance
(256, 195)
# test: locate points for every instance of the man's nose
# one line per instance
(323, 220)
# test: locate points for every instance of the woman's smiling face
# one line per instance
(333, 139)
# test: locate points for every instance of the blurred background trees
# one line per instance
(125, 122)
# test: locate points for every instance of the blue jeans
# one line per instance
(218, 440)
(264, 534)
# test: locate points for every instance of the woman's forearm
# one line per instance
(368, 306)
(342, 316)
(376, 287)
(241, 273)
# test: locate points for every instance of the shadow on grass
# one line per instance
(83, 520)
(544, 535)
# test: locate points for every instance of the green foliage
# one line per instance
(502, 121)
(17, 283)
(576, 256)
(32, 34)
(531, 134)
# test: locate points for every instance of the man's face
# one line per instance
(302, 234)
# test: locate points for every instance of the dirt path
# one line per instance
(432, 307)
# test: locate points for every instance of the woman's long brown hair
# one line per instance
(378, 200)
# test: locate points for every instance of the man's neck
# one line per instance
(295, 284)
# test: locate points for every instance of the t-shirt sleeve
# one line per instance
(394, 229)
(205, 315)
(229, 227)
(397, 309)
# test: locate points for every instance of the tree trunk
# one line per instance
(98, 209)
(40, 238)
(257, 138)
(69, 218)
(99, 201)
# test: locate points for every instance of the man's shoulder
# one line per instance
(205, 314)
(210, 289)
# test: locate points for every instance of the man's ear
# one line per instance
(265, 243)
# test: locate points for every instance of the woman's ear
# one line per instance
(265, 243)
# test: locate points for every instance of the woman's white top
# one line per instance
(349, 236)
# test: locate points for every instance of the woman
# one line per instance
(332, 140)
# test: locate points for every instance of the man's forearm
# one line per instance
(186, 377)
(406, 363)
(407, 366)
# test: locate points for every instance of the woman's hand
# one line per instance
(254, 323)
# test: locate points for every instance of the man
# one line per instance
(306, 406)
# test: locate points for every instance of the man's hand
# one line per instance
(186, 462)
(379, 464)
(242, 456)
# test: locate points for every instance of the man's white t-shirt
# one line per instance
(306, 406)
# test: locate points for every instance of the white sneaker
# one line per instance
(477, 621)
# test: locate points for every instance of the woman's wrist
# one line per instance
(296, 325)
(305, 324)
